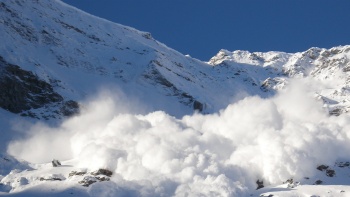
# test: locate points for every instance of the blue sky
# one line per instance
(202, 27)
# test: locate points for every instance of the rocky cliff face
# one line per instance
(22, 91)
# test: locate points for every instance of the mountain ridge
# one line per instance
(95, 51)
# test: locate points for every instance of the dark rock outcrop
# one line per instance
(55, 163)
(260, 184)
(75, 173)
(318, 182)
(343, 164)
(98, 176)
(102, 172)
(69, 108)
(324, 168)
(198, 106)
(88, 180)
(22, 90)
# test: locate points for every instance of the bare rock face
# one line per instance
(22, 91)
(97, 176)
(101, 171)
(88, 180)
(55, 163)
(328, 171)
(69, 108)
(76, 173)
(198, 106)
(318, 182)
(260, 184)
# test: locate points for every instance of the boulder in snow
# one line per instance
(55, 163)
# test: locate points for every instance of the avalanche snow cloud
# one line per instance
(218, 154)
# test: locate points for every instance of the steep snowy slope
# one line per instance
(75, 54)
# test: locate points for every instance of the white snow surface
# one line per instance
(266, 116)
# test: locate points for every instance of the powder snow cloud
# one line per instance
(223, 153)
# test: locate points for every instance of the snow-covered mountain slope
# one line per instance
(73, 55)
(266, 117)
(274, 69)
(77, 54)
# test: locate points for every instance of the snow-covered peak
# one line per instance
(246, 57)
(326, 65)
